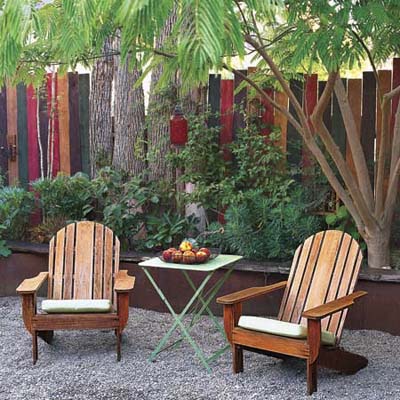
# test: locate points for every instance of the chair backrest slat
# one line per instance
(108, 264)
(83, 261)
(325, 267)
(69, 261)
(98, 262)
(59, 265)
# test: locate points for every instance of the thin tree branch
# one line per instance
(371, 60)
(262, 92)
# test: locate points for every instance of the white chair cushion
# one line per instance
(281, 328)
(76, 306)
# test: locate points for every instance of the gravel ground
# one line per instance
(82, 365)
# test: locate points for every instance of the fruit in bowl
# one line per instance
(177, 257)
(188, 253)
(189, 257)
(185, 246)
(205, 250)
(201, 256)
(167, 254)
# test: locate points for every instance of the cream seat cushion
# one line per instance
(76, 306)
(281, 328)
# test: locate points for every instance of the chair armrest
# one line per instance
(124, 282)
(333, 307)
(32, 285)
(247, 294)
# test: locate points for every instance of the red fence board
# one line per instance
(395, 83)
(226, 135)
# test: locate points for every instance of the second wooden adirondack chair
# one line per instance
(86, 289)
(317, 295)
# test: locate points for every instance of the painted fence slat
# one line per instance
(3, 136)
(226, 134)
(338, 129)
(55, 146)
(84, 87)
(22, 127)
(63, 119)
(74, 133)
(368, 120)
(240, 104)
(354, 87)
(44, 125)
(395, 83)
(309, 103)
(327, 117)
(294, 142)
(12, 133)
(280, 120)
(385, 79)
(267, 117)
(33, 148)
(214, 98)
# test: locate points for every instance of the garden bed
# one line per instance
(377, 311)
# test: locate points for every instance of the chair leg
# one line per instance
(237, 355)
(311, 377)
(34, 347)
(118, 333)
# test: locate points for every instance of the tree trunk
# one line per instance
(161, 105)
(100, 122)
(129, 114)
(378, 248)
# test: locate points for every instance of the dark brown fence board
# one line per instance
(294, 141)
(338, 130)
(3, 136)
(214, 98)
(84, 87)
(22, 127)
(327, 117)
(74, 131)
(368, 120)
(63, 119)
(385, 82)
(354, 92)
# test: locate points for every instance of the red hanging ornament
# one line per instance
(178, 127)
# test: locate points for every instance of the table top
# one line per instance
(218, 262)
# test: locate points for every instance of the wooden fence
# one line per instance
(362, 93)
(22, 115)
(19, 146)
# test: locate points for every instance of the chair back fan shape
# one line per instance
(325, 267)
(83, 262)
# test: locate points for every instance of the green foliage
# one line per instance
(16, 205)
(168, 229)
(267, 228)
(343, 221)
(64, 196)
(258, 164)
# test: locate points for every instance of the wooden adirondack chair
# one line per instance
(83, 264)
(317, 294)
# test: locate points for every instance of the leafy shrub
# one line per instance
(168, 229)
(343, 221)
(16, 205)
(267, 228)
(64, 196)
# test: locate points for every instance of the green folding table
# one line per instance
(197, 304)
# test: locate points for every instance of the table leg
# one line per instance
(209, 298)
(179, 319)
